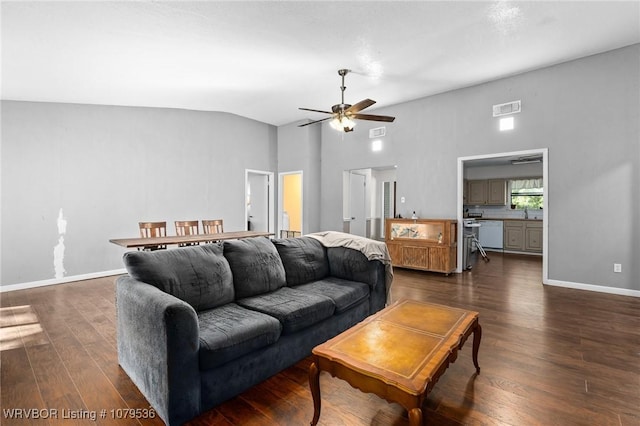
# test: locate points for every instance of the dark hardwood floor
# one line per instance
(548, 356)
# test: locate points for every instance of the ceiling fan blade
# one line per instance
(361, 105)
(314, 122)
(315, 110)
(372, 117)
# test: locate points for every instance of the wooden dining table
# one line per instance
(184, 239)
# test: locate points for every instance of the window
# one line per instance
(527, 193)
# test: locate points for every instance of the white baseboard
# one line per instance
(592, 287)
(54, 281)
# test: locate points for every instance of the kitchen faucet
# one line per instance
(526, 213)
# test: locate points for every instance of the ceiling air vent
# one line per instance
(512, 107)
(378, 132)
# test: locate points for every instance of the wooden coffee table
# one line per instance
(398, 354)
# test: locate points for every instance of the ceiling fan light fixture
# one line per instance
(343, 123)
(343, 115)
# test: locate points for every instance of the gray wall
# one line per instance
(108, 168)
(299, 149)
(585, 111)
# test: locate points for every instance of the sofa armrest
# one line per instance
(350, 264)
(158, 341)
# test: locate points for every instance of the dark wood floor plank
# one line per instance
(19, 392)
(210, 418)
(238, 411)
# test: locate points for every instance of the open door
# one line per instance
(357, 196)
(291, 207)
(259, 201)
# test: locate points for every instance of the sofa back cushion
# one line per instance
(304, 259)
(199, 275)
(256, 266)
(349, 264)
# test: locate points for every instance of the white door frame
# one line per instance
(545, 211)
(280, 200)
(270, 208)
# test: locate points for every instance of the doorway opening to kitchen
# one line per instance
(481, 177)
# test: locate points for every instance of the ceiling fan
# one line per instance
(342, 114)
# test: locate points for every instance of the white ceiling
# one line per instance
(263, 60)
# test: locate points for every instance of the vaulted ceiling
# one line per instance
(265, 59)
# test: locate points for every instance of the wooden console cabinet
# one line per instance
(425, 244)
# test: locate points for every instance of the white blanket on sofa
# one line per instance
(373, 250)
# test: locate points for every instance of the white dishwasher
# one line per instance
(490, 234)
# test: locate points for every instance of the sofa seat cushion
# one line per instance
(304, 259)
(345, 294)
(230, 331)
(295, 309)
(256, 266)
(199, 275)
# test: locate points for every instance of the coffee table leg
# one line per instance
(314, 383)
(477, 335)
(415, 417)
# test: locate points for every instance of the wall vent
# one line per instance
(512, 107)
(378, 132)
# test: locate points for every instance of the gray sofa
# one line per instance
(199, 325)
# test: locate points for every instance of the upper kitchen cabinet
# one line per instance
(497, 192)
(477, 192)
(491, 192)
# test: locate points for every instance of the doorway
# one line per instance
(290, 204)
(357, 203)
(259, 203)
(489, 158)
(368, 199)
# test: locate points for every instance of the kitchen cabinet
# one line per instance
(513, 235)
(491, 192)
(533, 237)
(424, 244)
(523, 235)
(497, 192)
(477, 192)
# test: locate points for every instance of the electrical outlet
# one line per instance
(617, 267)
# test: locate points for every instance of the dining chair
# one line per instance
(212, 226)
(186, 227)
(153, 230)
